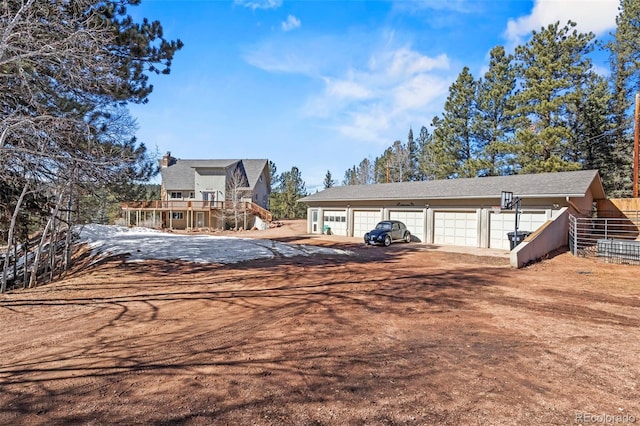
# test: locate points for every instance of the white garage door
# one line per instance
(365, 221)
(455, 228)
(501, 223)
(337, 221)
(413, 220)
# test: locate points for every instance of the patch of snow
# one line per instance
(148, 244)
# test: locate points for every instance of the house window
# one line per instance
(192, 195)
(176, 194)
(177, 216)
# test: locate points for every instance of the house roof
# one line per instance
(253, 169)
(180, 174)
(541, 185)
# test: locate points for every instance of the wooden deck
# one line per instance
(194, 206)
(181, 205)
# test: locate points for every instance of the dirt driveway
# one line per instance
(387, 336)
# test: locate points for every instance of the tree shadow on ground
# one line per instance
(387, 336)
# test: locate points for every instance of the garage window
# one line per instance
(337, 221)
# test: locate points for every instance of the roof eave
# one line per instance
(466, 197)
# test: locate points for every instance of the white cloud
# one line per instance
(284, 61)
(404, 62)
(346, 89)
(463, 6)
(259, 4)
(418, 92)
(372, 89)
(291, 23)
(597, 16)
(377, 102)
(370, 125)
(298, 55)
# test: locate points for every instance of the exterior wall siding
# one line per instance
(209, 182)
(361, 215)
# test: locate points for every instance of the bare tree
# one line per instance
(237, 189)
(66, 68)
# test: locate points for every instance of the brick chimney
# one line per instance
(166, 160)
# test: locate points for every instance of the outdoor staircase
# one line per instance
(259, 211)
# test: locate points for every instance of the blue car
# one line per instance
(387, 232)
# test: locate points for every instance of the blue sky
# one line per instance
(320, 85)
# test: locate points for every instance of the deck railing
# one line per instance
(185, 205)
(172, 205)
(260, 211)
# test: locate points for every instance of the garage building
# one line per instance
(463, 212)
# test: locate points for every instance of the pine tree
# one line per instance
(412, 149)
(592, 142)
(552, 66)
(273, 174)
(68, 68)
(284, 201)
(453, 148)
(493, 122)
(350, 176)
(328, 180)
(625, 77)
(424, 157)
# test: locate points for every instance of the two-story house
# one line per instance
(206, 194)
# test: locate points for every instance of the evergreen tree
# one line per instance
(273, 174)
(350, 176)
(67, 70)
(424, 162)
(328, 180)
(412, 149)
(284, 202)
(592, 142)
(624, 52)
(493, 122)
(453, 149)
(552, 67)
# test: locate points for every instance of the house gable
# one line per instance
(209, 179)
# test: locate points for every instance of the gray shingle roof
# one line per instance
(544, 185)
(253, 169)
(180, 174)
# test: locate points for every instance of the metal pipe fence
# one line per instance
(614, 240)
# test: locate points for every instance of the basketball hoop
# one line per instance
(506, 200)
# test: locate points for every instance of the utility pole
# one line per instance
(635, 147)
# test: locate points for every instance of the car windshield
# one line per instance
(384, 226)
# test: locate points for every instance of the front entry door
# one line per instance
(314, 221)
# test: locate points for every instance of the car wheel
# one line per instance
(387, 241)
(407, 237)
(366, 238)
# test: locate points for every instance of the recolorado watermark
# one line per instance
(604, 419)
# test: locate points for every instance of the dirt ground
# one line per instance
(401, 335)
